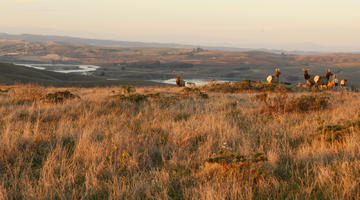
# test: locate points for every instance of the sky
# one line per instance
(286, 24)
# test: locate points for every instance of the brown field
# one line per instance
(211, 142)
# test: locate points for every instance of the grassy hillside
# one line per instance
(10, 74)
(220, 141)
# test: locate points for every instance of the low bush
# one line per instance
(306, 103)
(137, 98)
(337, 132)
(59, 97)
(4, 90)
(125, 89)
(227, 156)
(244, 86)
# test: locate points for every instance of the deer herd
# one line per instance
(317, 80)
(320, 81)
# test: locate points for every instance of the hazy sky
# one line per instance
(240, 23)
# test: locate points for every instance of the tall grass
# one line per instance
(100, 146)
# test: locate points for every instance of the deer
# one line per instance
(333, 83)
(308, 78)
(322, 81)
(179, 81)
(343, 83)
(274, 78)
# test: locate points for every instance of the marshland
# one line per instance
(242, 140)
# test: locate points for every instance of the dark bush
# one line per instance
(337, 132)
(306, 103)
(126, 89)
(181, 116)
(59, 97)
(227, 156)
(137, 98)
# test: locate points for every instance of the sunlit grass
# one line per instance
(171, 143)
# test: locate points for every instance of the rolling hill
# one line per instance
(10, 74)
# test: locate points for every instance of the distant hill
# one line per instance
(14, 50)
(10, 74)
(117, 43)
(94, 42)
(295, 48)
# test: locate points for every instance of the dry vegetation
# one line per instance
(174, 143)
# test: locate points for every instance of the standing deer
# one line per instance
(343, 83)
(179, 81)
(274, 78)
(333, 83)
(308, 78)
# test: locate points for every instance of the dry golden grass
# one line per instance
(175, 144)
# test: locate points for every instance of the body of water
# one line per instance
(63, 68)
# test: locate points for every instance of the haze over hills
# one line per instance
(295, 48)
(105, 43)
